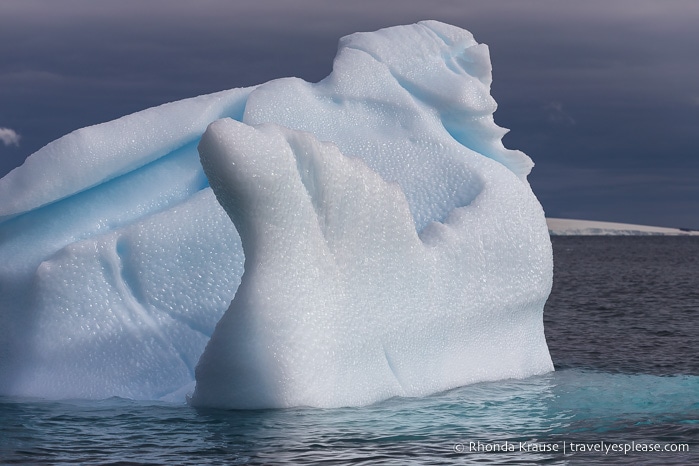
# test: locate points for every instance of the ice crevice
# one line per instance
(392, 367)
(139, 315)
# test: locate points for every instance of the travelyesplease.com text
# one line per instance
(567, 447)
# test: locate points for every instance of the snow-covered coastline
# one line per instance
(568, 227)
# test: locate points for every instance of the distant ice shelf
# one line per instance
(569, 227)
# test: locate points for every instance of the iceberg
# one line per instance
(571, 227)
(289, 244)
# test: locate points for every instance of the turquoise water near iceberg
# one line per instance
(622, 325)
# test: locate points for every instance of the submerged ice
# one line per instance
(376, 239)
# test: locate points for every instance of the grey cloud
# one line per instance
(9, 137)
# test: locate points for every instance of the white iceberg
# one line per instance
(393, 246)
(570, 227)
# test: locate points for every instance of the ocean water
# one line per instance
(622, 325)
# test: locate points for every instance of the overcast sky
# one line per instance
(603, 95)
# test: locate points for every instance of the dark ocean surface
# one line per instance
(622, 325)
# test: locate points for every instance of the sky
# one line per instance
(602, 95)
